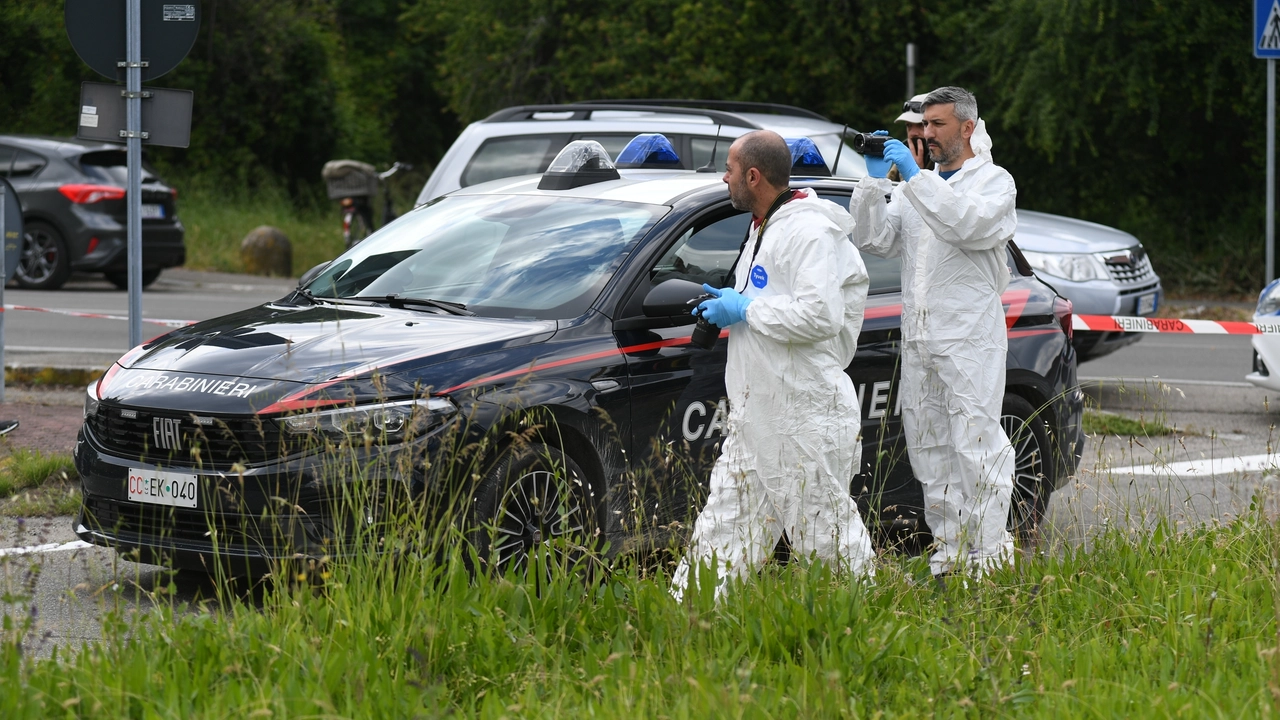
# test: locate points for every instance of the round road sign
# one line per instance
(97, 32)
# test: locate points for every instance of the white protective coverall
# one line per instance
(792, 446)
(951, 235)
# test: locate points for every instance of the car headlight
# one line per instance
(1076, 267)
(91, 400)
(1269, 300)
(388, 422)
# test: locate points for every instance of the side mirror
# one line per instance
(312, 274)
(674, 298)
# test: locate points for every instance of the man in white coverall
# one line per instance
(794, 314)
(950, 226)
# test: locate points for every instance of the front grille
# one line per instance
(183, 525)
(1131, 267)
(180, 440)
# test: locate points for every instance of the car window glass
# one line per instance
(112, 166)
(612, 143)
(705, 253)
(702, 148)
(501, 256)
(885, 273)
(6, 159)
(510, 156)
(26, 164)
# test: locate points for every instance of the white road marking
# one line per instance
(1203, 468)
(46, 548)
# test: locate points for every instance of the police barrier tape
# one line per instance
(1094, 323)
(1129, 323)
(100, 316)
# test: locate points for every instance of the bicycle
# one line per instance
(352, 183)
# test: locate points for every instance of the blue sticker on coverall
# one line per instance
(759, 277)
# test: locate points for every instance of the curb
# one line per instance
(1158, 394)
(41, 375)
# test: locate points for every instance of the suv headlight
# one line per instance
(1269, 300)
(91, 400)
(1076, 267)
(387, 422)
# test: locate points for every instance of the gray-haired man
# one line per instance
(950, 226)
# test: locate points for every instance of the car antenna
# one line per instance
(711, 164)
(839, 150)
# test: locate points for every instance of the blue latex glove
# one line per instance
(726, 308)
(878, 167)
(900, 155)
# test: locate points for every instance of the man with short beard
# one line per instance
(950, 226)
(794, 314)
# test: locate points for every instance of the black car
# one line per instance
(74, 212)
(500, 318)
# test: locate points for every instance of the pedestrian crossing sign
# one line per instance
(1266, 28)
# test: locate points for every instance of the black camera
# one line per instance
(705, 333)
(869, 144)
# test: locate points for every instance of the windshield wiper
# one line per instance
(303, 293)
(401, 301)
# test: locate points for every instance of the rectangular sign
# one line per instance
(1266, 29)
(166, 115)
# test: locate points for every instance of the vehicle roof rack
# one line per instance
(584, 111)
(734, 106)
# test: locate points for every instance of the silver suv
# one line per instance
(1103, 271)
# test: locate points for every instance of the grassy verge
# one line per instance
(1096, 422)
(217, 220)
(1166, 625)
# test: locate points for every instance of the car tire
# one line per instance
(121, 279)
(1032, 482)
(535, 502)
(45, 262)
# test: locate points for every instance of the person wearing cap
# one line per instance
(913, 116)
(950, 227)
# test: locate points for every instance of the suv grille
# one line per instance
(1130, 267)
(179, 439)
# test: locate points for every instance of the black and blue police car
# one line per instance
(541, 319)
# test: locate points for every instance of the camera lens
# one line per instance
(704, 334)
(869, 144)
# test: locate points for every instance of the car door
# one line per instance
(678, 405)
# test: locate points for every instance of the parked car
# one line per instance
(1266, 348)
(469, 313)
(1103, 271)
(73, 207)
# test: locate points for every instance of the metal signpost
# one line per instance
(145, 39)
(11, 235)
(1266, 45)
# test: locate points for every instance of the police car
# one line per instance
(534, 329)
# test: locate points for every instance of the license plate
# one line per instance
(158, 487)
(152, 212)
(1147, 303)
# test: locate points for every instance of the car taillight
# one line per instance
(1062, 311)
(93, 245)
(87, 194)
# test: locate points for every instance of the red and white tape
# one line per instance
(99, 316)
(1129, 323)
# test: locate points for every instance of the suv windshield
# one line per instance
(499, 255)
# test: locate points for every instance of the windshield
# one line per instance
(499, 255)
(851, 164)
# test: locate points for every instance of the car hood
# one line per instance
(273, 350)
(1042, 232)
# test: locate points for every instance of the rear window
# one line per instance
(510, 156)
(112, 166)
(26, 164)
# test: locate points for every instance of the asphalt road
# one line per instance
(1205, 358)
(52, 340)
